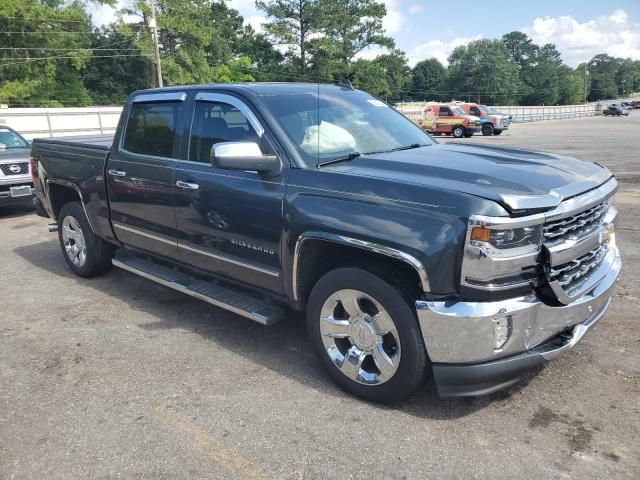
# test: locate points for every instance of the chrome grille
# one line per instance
(15, 168)
(571, 274)
(576, 225)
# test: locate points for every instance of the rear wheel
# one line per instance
(458, 131)
(366, 335)
(487, 129)
(85, 253)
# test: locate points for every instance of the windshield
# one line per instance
(11, 140)
(327, 123)
(484, 109)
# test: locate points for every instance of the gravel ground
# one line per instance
(116, 377)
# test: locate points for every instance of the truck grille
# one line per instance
(571, 274)
(576, 225)
(15, 168)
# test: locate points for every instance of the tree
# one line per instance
(484, 71)
(428, 80)
(349, 26)
(520, 47)
(293, 23)
(109, 80)
(397, 73)
(370, 76)
(541, 76)
(46, 50)
(602, 77)
(570, 86)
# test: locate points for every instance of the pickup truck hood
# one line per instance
(14, 154)
(517, 179)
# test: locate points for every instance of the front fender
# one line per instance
(431, 233)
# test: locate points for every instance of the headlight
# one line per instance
(501, 255)
(506, 239)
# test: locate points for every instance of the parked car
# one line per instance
(477, 263)
(491, 123)
(16, 185)
(449, 119)
(615, 111)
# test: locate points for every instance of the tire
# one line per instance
(85, 253)
(497, 132)
(364, 340)
(487, 129)
(458, 131)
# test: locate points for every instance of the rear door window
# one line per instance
(151, 129)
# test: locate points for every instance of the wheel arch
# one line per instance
(312, 249)
(60, 192)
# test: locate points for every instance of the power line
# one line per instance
(61, 57)
(42, 19)
(66, 49)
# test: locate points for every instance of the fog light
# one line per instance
(610, 234)
(501, 329)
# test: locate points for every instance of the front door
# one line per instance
(229, 221)
(140, 175)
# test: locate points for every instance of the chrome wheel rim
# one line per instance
(360, 337)
(73, 241)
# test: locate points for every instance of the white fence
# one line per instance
(60, 122)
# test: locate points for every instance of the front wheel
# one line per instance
(487, 130)
(497, 132)
(366, 335)
(85, 253)
(458, 132)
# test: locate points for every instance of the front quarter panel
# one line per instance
(428, 225)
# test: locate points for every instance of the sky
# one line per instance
(423, 29)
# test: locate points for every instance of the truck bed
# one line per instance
(95, 142)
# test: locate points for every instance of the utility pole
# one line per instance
(154, 31)
(585, 81)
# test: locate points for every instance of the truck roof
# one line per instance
(258, 88)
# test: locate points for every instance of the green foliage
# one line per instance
(45, 62)
(52, 55)
(293, 24)
(570, 86)
(429, 81)
(484, 70)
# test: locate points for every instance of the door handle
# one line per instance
(187, 185)
(117, 173)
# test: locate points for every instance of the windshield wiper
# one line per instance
(408, 147)
(398, 149)
(351, 156)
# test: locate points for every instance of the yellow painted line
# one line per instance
(210, 446)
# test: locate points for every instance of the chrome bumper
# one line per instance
(463, 332)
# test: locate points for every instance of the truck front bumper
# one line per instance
(459, 336)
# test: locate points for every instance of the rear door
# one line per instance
(229, 221)
(140, 171)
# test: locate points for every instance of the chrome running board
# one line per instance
(243, 304)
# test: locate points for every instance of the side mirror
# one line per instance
(3, 146)
(244, 156)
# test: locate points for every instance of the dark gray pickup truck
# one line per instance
(474, 263)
